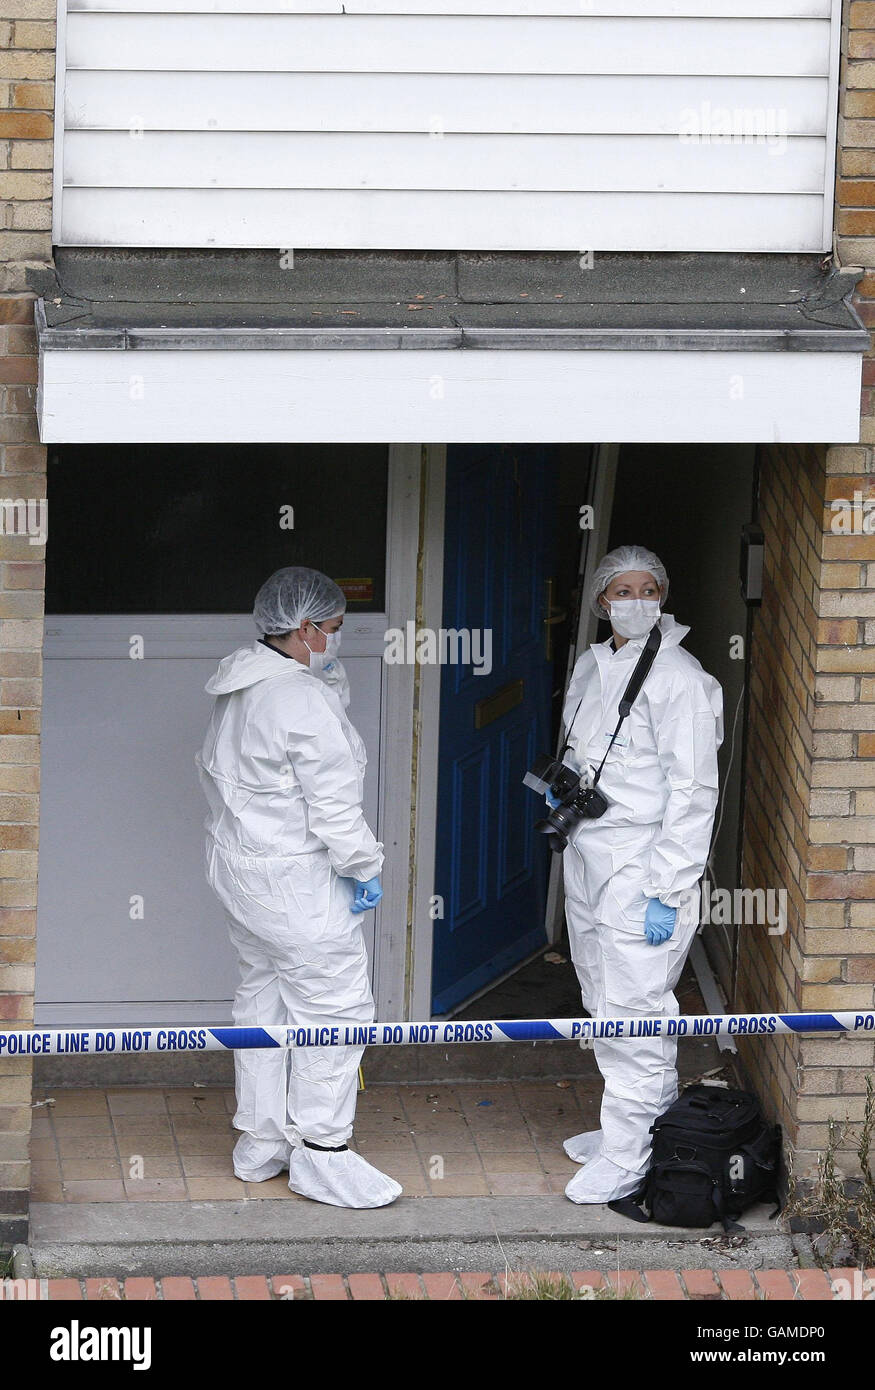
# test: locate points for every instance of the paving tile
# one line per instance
(66, 1125)
(190, 1145)
(64, 1289)
(457, 1162)
(77, 1102)
(49, 1170)
(459, 1141)
(405, 1286)
(156, 1145)
(127, 1125)
(194, 1125)
(178, 1289)
(396, 1164)
(700, 1283)
(81, 1147)
(812, 1284)
(156, 1189)
(738, 1285)
(159, 1166)
(663, 1284)
(441, 1287)
(46, 1190)
(195, 1102)
(415, 1186)
(216, 1189)
(557, 1184)
(554, 1161)
(103, 1288)
(511, 1141)
(43, 1148)
(328, 1288)
(100, 1190)
(272, 1189)
(289, 1286)
(206, 1165)
(214, 1288)
(251, 1287)
(83, 1168)
(517, 1161)
(466, 1185)
(136, 1102)
(140, 1288)
(775, 1284)
(517, 1184)
(366, 1286)
(388, 1141)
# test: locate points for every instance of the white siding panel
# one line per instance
(429, 43)
(288, 123)
(569, 163)
(380, 220)
(489, 396)
(238, 101)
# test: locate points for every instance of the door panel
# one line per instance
(491, 868)
(122, 815)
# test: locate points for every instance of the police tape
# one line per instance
(123, 1039)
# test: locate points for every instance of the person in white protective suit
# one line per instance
(293, 862)
(631, 877)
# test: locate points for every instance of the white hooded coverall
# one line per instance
(660, 780)
(282, 769)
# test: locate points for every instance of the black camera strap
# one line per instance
(630, 694)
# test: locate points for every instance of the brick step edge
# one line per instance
(731, 1285)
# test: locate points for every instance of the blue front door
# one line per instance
(491, 869)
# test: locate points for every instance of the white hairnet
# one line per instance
(620, 561)
(290, 595)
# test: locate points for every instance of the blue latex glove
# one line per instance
(367, 895)
(659, 921)
(552, 801)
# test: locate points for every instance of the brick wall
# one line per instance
(810, 815)
(810, 804)
(27, 41)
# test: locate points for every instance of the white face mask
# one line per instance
(633, 617)
(319, 660)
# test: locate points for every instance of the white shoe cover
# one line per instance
(602, 1181)
(582, 1147)
(256, 1160)
(343, 1179)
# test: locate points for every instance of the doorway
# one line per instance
(499, 892)
(511, 557)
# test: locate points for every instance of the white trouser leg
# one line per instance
(622, 975)
(304, 962)
(260, 1075)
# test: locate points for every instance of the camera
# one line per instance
(576, 803)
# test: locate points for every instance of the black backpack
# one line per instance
(713, 1156)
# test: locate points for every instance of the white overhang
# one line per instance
(509, 366)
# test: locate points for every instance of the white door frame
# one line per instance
(392, 941)
(429, 614)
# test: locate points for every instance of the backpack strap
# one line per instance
(632, 1206)
(729, 1226)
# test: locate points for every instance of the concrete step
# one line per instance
(117, 1239)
